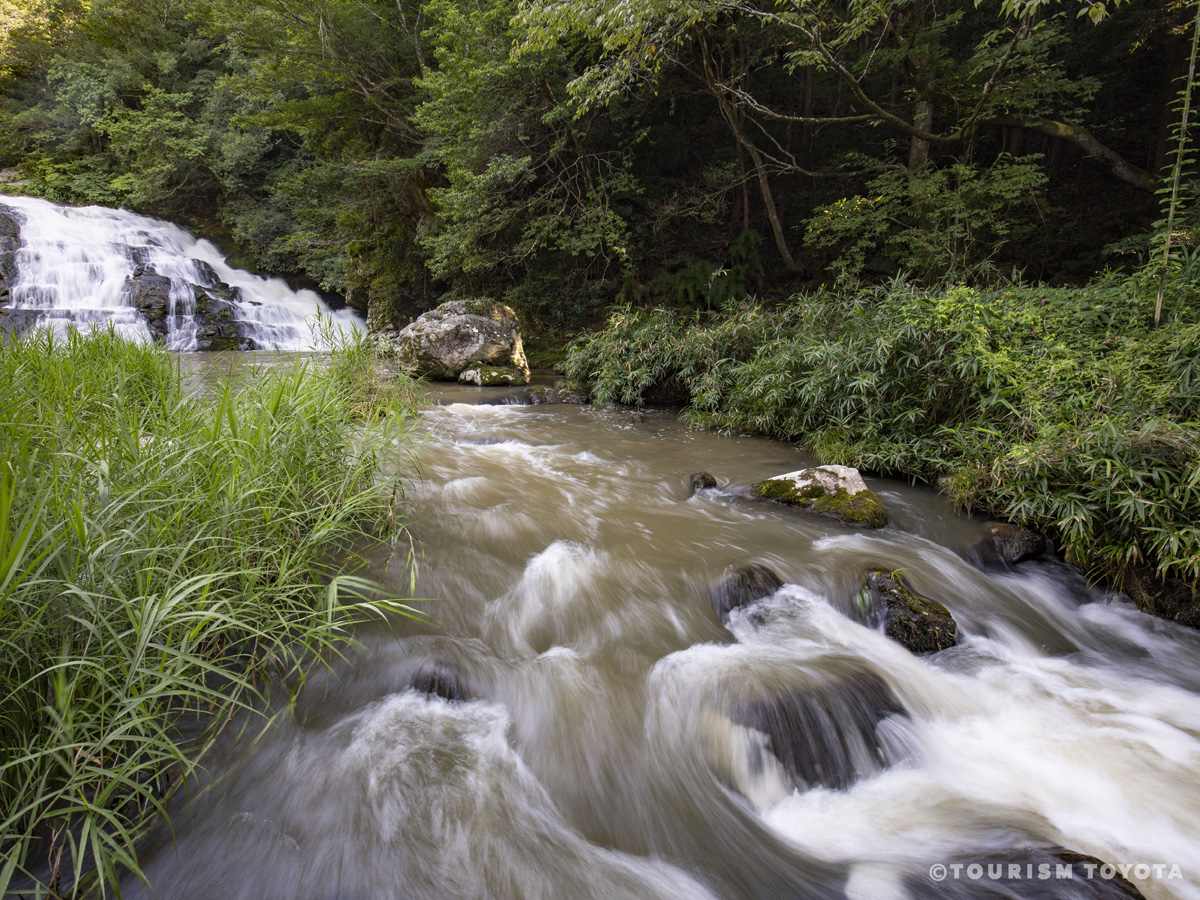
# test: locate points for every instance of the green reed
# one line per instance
(164, 555)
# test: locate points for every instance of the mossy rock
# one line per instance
(835, 491)
(920, 624)
(701, 481)
(492, 376)
(489, 309)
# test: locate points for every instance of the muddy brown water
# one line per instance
(568, 571)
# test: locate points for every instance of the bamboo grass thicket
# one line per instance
(1062, 408)
(164, 555)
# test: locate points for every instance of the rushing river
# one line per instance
(599, 755)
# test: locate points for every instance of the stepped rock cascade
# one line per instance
(148, 279)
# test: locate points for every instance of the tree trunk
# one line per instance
(1084, 139)
(918, 150)
(772, 213)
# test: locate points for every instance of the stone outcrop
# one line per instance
(213, 310)
(474, 341)
(920, 624)
(826, 734)
(835, 491)
(10, 241)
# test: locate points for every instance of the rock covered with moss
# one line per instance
(491, 376)
(920, 624)
(835, 491)
(462, 336)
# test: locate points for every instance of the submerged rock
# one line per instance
(442, 680)
(835, 491)
(559, 393)
(920, 624)
(1008, 544)
(458, 336)
(701, 481)
(742, 587)
(826, 734)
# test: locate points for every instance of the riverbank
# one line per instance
(164, 558)
(1063, 410)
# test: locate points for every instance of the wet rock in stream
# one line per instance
(441, 680)
(743, 587)
(828, 734)
(920, 624)
(700, 481)
(837, 492)
(1007, 545)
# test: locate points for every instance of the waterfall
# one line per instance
(147, 279)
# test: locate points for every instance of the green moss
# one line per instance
(920, 624)
(863, 508)
(481, 306)
(492, 376)
(546, 356)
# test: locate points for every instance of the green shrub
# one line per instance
(1060, 408)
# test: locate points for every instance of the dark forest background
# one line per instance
(561, 157)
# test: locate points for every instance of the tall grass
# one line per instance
(161, 554)
(1060, 408)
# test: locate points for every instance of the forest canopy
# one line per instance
(563, 156)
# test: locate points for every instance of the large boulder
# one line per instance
(477, 341)
(835, 491)
(920, 624)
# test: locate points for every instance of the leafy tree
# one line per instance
(913, 68)
(524, 177)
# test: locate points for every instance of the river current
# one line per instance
(598, 751)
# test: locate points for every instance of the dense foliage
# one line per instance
(559, 156)
(164, 557)
(1061, 408)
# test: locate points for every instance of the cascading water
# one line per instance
(148, 279)
(616, 740)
